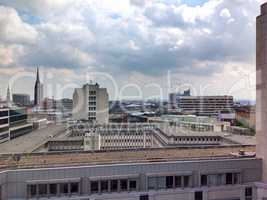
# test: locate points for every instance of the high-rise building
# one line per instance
(21, 99)
(38, 90)
(91, 103)
(261, 105)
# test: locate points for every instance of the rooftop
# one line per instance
(29, 142)
(80, 158)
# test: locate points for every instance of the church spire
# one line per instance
(8, 96)
(37, 75)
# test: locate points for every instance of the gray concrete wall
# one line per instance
(261, 108)
(14, 182)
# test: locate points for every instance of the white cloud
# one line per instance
(130, 37)
(225, 13)
(13, 29)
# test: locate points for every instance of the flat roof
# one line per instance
(83, 158)
(29, 142)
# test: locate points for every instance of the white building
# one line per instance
(91, 103)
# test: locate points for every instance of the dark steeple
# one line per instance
(37, 75)
(38, 90)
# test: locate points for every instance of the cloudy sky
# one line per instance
(135, 48)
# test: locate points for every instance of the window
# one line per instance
(199, 195)
(53, 189)
(104, 186)
(248, 193)
(74, 188)
(186, 181)
(161, 181)
(169, 182)
(94, 186)
(123, 185)
(144, 197)
(64, 188)
(42, 189)
(204, 180)
(229, 178)
(32, 190)
(114, 185)
(236, 178)
(132, 185)
(152, 183)
(178, 181)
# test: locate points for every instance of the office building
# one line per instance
(4, 124)
(65, 105)
(91, 103)
(174, 98)
(132, 175)
(13, 123)
(38, 91)
(21, 99)
(206, 105)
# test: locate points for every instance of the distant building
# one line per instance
(13, 123)
(206, 105)
(91, 103)
(21, 99)
(8, 97)
(38, 90)
(4, 124)
(174, 97)
(64, 105)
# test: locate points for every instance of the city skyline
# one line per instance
(141, 47)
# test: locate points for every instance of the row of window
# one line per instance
(52, 189)
(220, 179)
(92, 108)
(115, 185)
(168, 182)
(198, 139)
(127, 141)
(92, 92)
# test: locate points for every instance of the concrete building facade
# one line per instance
(206, 105)
(91, 103)
(187, 180)
(261, 106)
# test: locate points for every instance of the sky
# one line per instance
(135, 48)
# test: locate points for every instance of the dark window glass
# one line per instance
(169, 182)
(186, 181)
(114, 185)
(178, 181)
(53, 189)
(42, 189)
(204, 180)
(123, 184)
(94, 186)
(248, 192)
(64, 188)
(32, 190)
(144, 197)
(74, 187)
(199, 195)
(229, 178)
(132, 184)
(104, 186)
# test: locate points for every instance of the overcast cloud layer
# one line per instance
(136, 41)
